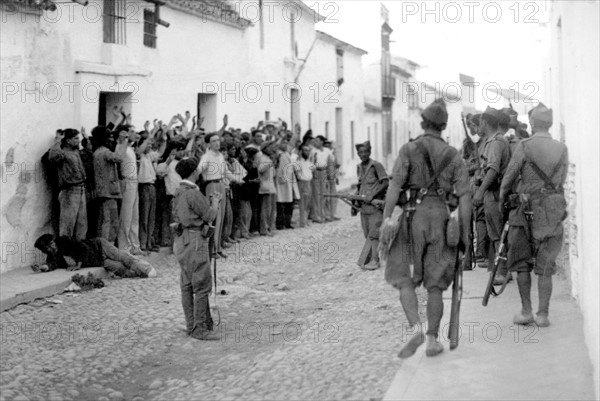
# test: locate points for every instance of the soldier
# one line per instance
(474, 169)
(195, 215)
(427, 175)
(494, 161)
(372, 183)
(513, 128)
(539, 169)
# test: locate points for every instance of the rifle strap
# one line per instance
(433, 175)
(547, 179)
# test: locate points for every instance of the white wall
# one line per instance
(574, 72)
(193, 56)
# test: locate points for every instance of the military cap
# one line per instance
(513, 116)
(495, 114)
(436, 112)
(504, 118)
(541, 113)
(366, 145)
(186, 167)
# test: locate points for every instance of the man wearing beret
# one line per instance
(427, 174)
(539, 170)
(494, 161)
(372, 183)
(194, 214)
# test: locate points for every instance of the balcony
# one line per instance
(388, 90)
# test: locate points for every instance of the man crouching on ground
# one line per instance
(93, 252)
(193, 217)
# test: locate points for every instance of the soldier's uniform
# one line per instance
(421, 244)
(370, 177)
(496, 156)
(194, 214)
(535, 243)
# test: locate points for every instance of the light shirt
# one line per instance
(172, 179)
(147, 172)
(213, 166)
(321, 158)
(305, 169)
(129, 164)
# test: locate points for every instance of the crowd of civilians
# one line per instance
(119, 183)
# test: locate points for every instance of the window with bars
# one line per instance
(149, 28)
(114, 19)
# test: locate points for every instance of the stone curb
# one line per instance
(21, 286)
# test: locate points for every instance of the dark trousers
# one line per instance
(147, 196)
(284, 215)
(163, 215)
(255, 204)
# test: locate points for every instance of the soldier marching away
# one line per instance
(494, 161)
(372, 184)
(539, 169)
(194, 216)
(427, 173)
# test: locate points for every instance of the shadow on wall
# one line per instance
(13, 209)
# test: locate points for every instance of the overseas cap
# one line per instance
(495, 114)
(541, 113)
(436, 112)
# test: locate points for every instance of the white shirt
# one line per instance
(321, 157)
(147, 172)
(213, 166)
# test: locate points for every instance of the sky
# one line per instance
(492, 41)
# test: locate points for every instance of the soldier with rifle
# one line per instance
(372, 185)
(471, 158)
(368, 201)
(494, 161)
(428, 181)
(194, 216)
(539, 168)
(482, 240)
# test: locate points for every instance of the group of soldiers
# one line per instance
(501, 178)
(507, 177)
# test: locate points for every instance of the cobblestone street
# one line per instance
(299, 320)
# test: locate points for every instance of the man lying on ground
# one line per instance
(94, 252)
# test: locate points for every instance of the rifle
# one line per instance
(453, 329)
(469, 146)
(500, 258)
(347, 198)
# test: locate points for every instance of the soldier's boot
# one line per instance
(434, 347)
(545, 292)
(200, 330)
(417, 338)
(410, 304)
(524, 284)
(187, 301)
